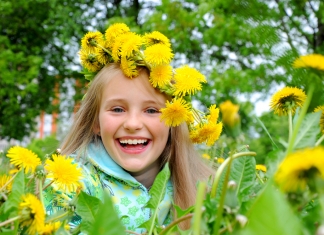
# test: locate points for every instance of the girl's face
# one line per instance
(129, 123)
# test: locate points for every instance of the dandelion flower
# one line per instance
(64, 173)
(299, 169)
(315, 61)
(116, 48)
(213, 114)
(288, 97)
(176, 112)
(156, 38)
(131, 46)
(32, 214)
(51, 228)
(4, 179)
(103, 54)
(161, 75)
(318, 109)
(158, 54)
(91, 39)
(129, 68)
(260, 167)
(229, 112)
(114, 31)
(23, 158)
(206, 156)
(187, 81)
(89, 60)
(220, 160)
(210, 132)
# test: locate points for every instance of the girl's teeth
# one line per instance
(132, 141)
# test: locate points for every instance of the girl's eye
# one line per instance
(117, 110)
(152, 111)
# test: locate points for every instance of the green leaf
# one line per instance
(308, 131)
(107, 221)
(266, 130)
(157, 193)
(181, 212)
(18, 189)
(87, 207)
(271, 214)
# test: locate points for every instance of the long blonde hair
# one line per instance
(186, 165)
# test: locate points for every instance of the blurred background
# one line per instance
(245, 48)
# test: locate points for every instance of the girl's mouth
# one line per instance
(133, 143)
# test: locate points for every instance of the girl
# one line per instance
(123, 144)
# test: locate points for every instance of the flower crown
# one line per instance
(153, 50)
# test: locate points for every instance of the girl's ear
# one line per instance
(96, 129)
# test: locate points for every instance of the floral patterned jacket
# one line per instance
(129, 195)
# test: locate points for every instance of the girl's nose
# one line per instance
(133, 122)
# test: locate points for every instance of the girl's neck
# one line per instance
(147, 177)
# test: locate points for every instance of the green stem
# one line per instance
(258, 176)
(9, 221)
(302, 114)
(198, 206)
(319, 140)
(290, 123)
(98, 45)
(40, 190)
(58, 217)
(222, 167)
(177, 221)
(219, 214)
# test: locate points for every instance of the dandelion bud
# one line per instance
(241, 219)
(231, 184)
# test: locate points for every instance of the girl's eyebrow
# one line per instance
(121, 100)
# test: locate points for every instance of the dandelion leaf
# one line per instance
(106, 220)
(270, 214)
(308, 131)
(87, 207)
(18, 189)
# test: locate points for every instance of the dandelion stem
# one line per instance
(290, 123)
(49, 184)
(177, 221)
(198, 206)
(302, 114)
(40, 190)
(58, 217)
(9, 221)
(98, 45)
(222, 167)
(258, 176)
(319, 140)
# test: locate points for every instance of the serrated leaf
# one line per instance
(87, 207)
(181, 212)
(271, 214)
(308, 131)
(107, 226)
(18, 189)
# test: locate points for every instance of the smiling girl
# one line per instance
(122, 137)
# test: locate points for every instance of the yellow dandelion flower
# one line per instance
(315, 61)
(158, 54)
(4, 179)
(260, 167)
(229, 112)
(194, 136)
(114, 31)
(103, 54)
(206, 156)
(187, 81)
(220, 160)
(161, 75)
(300, 168)
(210, 132)
(129, 67)
(64, 173)
(32, 214)
(176, 112)
(131, 46)
(318, 109)
(292, 97)
(213, 114)
(89, 60)
(119, 41)
(156, 37)
(51, 228)
(23, 158)
(91, 39)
